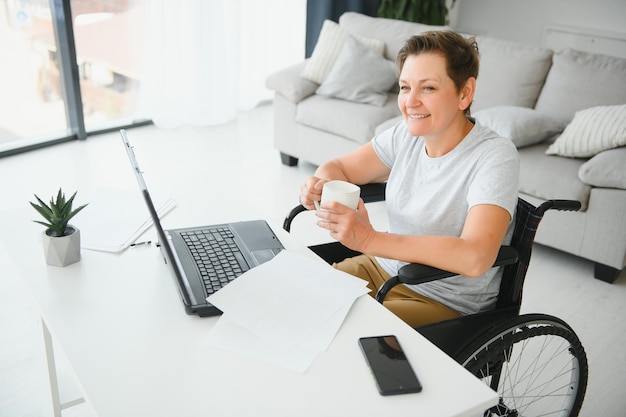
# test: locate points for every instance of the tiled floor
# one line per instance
(557, 283)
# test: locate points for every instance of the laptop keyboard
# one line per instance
(217, 256)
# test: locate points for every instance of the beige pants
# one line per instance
(415, 309)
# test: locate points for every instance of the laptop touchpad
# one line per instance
(263, 255)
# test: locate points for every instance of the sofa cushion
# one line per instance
(592, 131)
(392, 32)
(331, 39)
(607, 169)
(522, 125)
(360, 75)
(579, 80)
(510, 73)
(354, 121)
(551, 177)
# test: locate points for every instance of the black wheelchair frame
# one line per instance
(535, 362)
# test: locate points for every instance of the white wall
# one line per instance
(524, 20)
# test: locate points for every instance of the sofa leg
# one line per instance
(288, 160)
(605, 273)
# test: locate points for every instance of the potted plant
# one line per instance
(429, 12)
(61, 241)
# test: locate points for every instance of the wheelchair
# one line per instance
(535, 362)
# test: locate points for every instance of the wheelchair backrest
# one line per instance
(527, 219)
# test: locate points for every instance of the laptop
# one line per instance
(204, 259)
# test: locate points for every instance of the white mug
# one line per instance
(342, 192)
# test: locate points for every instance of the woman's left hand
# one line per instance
(350, 227)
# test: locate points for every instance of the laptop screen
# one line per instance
(164, 242)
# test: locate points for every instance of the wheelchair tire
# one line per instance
(535, 363)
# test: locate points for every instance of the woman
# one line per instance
(451, 188)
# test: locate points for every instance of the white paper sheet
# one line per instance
(229, 336)
(115, 218)
(285, 311)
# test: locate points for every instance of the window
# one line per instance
(43, 101)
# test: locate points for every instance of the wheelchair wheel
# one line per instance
(534, 362)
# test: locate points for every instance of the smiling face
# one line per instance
(428, 99)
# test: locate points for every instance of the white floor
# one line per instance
(237, 163)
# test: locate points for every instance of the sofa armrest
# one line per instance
(290, 84)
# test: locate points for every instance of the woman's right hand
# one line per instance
(311, 191)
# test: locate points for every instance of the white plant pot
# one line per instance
(62, 250)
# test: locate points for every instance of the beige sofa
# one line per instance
(565, 111)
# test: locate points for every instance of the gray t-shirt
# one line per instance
(432, 196)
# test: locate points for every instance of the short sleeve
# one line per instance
(496, 180)
(385, 144)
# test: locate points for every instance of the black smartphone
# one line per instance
(391, 369)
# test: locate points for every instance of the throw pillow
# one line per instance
(511, 73)
(592, 130)
(522, 125)
(359, 74)
(606, 169)
(578, 80)
(329, 44)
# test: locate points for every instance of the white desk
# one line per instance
(122, 327)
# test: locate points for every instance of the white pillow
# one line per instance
(359, 74)
(578, 80)
(606, 169)
(511, 73)
(522, 125)
(331, 39)
(592, 130)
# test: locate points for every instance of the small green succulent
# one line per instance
(57, 214)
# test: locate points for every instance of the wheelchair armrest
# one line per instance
(418, 273)
(291, 215)
(561, 205)
(414, 274)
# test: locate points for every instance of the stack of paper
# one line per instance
(115, 218)
(285, 311)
